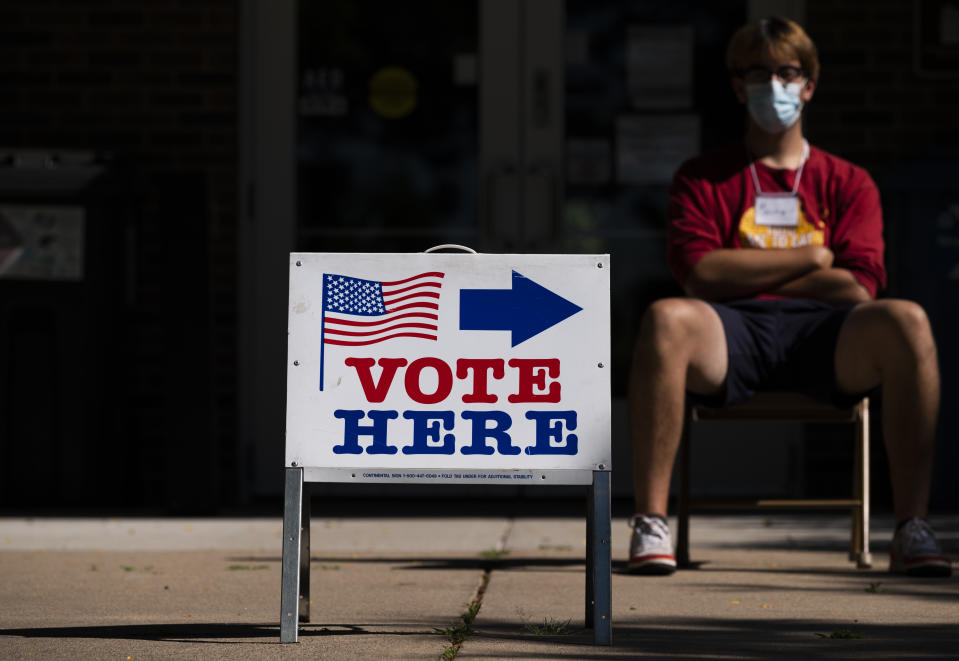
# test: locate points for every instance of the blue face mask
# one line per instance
(774, 106)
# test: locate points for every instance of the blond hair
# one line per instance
(779, 37)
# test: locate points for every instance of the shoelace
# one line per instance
(920, 532)
(649, 526)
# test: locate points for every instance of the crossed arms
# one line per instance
(805, 272)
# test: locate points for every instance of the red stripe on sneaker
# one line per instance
(663, 556)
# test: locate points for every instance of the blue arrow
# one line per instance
(526, 310)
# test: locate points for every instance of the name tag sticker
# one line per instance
(777, 210)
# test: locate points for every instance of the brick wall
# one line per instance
(871, 106)
(875, 109)
(153, 82)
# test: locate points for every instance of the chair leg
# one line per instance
(859, 542)
(864, 558)
(855, 533)
(685, 455)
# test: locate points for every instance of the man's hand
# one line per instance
(821, 255)
(729, 273)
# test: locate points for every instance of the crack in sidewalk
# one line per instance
(458, 633)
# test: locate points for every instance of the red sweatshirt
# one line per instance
(711, 206)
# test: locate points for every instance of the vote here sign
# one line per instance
(448, 367)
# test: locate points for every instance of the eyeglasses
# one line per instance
(787, 74)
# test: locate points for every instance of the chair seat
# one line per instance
(800, 408)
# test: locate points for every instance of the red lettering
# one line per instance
(537, 378)
(375, 392)
(481, 368)
(444, 380)
(532, 373)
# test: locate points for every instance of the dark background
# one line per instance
(121, 391)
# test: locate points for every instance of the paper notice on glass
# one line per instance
(323, 93)
(650, 148)
(465, 69)
(41, 242)
(589, 161)
(659, 66)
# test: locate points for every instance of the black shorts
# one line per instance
(780, 345)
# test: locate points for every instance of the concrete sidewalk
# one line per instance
(775, 586)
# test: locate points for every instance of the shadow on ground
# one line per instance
(209, 633)
(676, 638)
(699, 638)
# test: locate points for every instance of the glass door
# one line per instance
(386, 146)
(429, 122)
(377, 127)
(645, 89)
(504, 125)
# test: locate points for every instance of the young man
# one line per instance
(779, 247)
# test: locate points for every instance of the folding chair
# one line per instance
(785, 407)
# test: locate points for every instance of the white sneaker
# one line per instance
(650, 547)
(915, 552)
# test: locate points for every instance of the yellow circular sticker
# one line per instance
(393, 92)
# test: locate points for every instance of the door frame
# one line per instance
(267, 204)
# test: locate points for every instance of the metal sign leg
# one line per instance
(590, 597)
(295, 588)
(304, 602)
(599, 560)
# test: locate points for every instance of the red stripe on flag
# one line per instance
(380, 330)
(433, 274)
(431, 306)
(388, 337)
(393, 292)
(426, 294)
(381, 320)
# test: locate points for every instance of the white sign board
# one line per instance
(454, 368)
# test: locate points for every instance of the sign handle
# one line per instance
(451, 246)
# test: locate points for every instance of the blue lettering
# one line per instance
(426, 428)
(353, 430)
(549, 437)
(481, 432)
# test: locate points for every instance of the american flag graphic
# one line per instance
(358, 312)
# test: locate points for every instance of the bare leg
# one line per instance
(889, 343)
(681, 346)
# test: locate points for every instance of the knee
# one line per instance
(667, 324)
(906, 325)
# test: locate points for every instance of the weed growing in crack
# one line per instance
(457, 632)
(550, 627)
